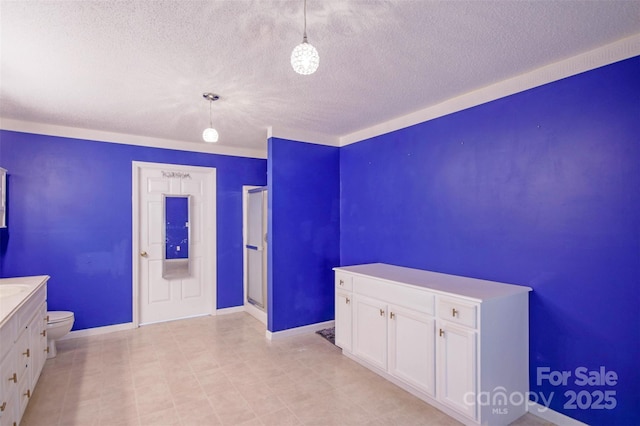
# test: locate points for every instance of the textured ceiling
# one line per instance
(140, 67)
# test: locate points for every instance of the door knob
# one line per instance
(143, 254)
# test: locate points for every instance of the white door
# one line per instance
(256, 247)
(344, 320)
(164, 299)
(412, 348)
(456, 360)
(370, 330)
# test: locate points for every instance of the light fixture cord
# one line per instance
(304, 37)
(210, 118)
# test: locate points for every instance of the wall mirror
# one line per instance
(177, 236)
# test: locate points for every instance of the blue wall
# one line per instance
(539, 188)
(304, 232)
(69, 211)
(542, 189)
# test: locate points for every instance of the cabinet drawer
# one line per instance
(8, 334)
(31, 307)
(397, 294)
(344, 281)
(458, 312)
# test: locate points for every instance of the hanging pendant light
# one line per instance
(305, 58)
(210, 134)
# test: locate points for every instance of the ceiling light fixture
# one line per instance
(210, 134)
(305, 58)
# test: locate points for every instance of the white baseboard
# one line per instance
(231, 310)
(552, 416)
(311, 328)
(255, 312)
(98, 330)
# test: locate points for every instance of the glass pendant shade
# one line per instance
(210, 135)
(305, 58)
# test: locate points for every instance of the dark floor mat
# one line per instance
(329, 334)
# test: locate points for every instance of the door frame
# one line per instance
(136, 166)
(248, 307)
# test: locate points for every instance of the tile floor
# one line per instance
(217, 371)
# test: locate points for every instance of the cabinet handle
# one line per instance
(14, 378)
(381, 312)
(3, 406)
(454, 312)
(28, 393)
(47, 318)
(392, 315)
(44, 333)
(441, 332)
(27, 353)
(348, 300)
(46, 350)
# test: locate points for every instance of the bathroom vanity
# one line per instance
(23, 342)
(460, 344)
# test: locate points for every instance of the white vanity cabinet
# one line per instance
(3, 198)
(452, 341)
(23, 343)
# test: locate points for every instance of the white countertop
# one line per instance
(11, 303)
(471, 288)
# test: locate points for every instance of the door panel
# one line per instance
(370, 330)
(256, 248)
(164, 299)
(457, 368)
(344, 320)
(412, 348)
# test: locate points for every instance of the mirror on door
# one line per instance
(175, 262)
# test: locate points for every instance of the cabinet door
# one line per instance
(344, 320)
(370, 330)
(37, 344)
(456, 366)
(23, 356)
(9, 390)
(412, 348)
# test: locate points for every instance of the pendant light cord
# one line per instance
(304, 37)
(210, 118)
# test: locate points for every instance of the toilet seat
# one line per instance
(59, 316)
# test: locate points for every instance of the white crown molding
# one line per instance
(302, 136)
(121, 138)
(622, 49)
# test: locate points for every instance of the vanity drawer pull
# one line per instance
(344, 281)
(458, 312)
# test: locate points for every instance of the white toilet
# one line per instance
(59, 324)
